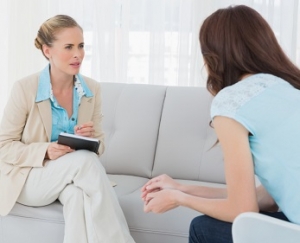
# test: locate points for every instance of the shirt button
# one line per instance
(73, 119)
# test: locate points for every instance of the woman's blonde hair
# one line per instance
(48, 30)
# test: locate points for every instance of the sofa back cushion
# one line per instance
(132, 114)
(186, 147)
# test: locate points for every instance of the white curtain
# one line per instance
(130, 41)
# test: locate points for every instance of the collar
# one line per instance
(44, 91)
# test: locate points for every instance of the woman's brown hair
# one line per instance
(236, 41)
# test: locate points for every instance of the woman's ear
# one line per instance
(46, 51)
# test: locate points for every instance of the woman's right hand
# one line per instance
(56, 150)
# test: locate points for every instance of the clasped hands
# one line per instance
(160, 194)
(56, 150)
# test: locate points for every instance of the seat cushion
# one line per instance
(33, 224)
(52, 212)
(46, 224)
(172, 226)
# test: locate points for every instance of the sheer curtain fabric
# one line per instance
(130, 41)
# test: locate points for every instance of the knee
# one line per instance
(83, 158)
(84, 155)
(194, 229)
(206, 229)
(87, 163)
(198, 229)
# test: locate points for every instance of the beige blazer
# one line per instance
(25, 134)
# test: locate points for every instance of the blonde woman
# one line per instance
(35, 169)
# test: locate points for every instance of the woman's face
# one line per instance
(67, 51)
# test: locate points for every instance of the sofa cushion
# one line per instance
(172, 226)
(131, 120)
(33, 224)
(187, 146)
(52, 212)
(127, 184)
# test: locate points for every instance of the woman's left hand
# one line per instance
(86, 129)
(161, 201)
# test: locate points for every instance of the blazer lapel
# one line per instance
(45, 113)
(85, 111)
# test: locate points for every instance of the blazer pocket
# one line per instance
(6, 168)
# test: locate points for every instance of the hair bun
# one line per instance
(37, 44)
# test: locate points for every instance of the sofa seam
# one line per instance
(130, 192)
(36, 219)
(113, 126)
(1, 230)
(202, 153)
(134, 229)
(158, 131)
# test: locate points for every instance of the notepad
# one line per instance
(79, 142)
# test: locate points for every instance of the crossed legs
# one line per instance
(91, 209)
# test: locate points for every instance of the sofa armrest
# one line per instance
(259, 228)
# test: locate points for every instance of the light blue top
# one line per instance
(60, 119)
(269, 108)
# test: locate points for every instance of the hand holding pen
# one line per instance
(86, 129)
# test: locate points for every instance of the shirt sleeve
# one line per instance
(224, 104)
(230, 102)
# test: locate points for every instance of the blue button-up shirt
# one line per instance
(60, 119)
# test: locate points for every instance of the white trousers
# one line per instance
(91, 210)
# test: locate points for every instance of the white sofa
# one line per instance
(259, 228)
(149, 130)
